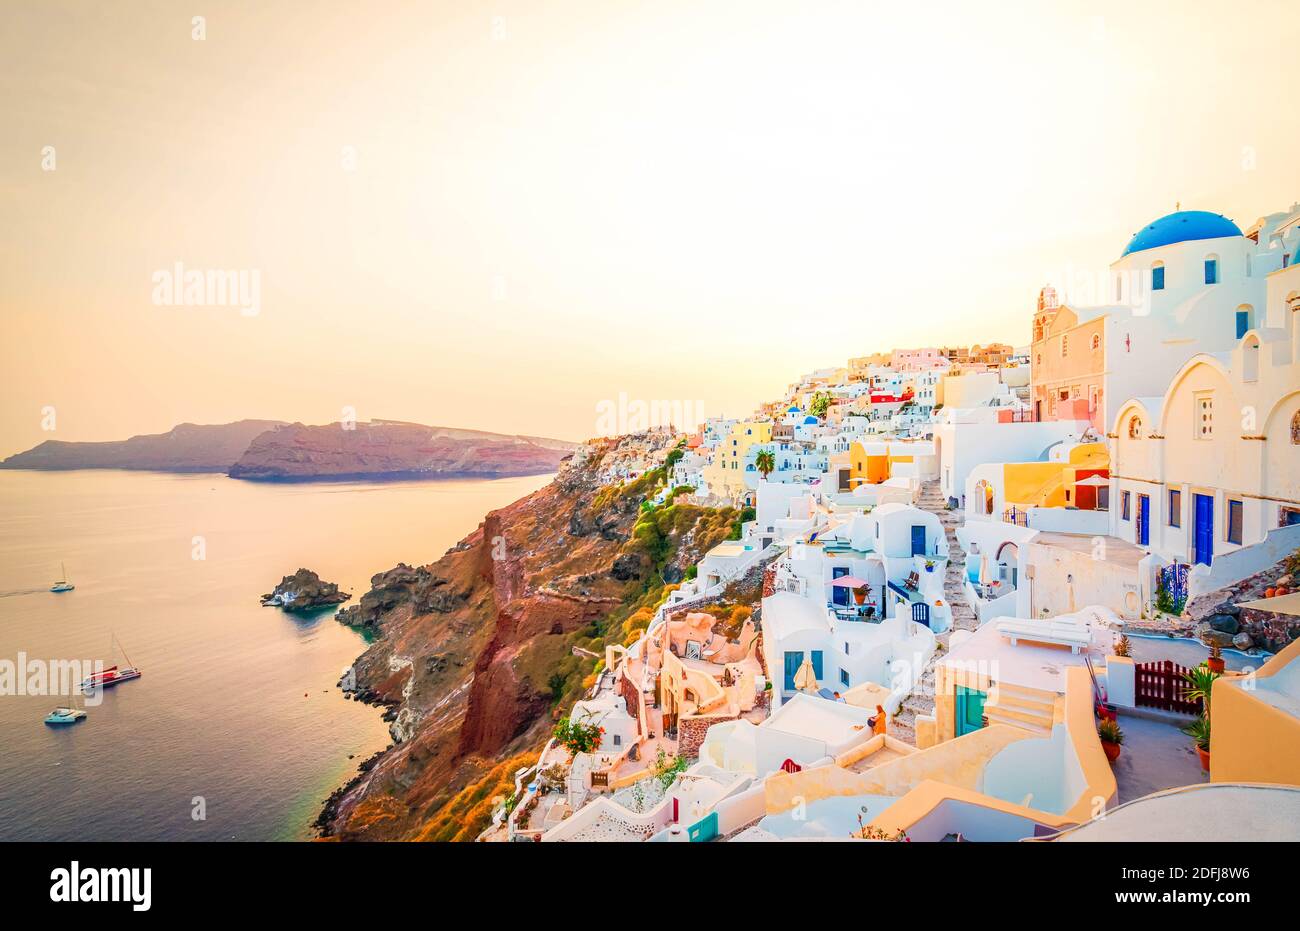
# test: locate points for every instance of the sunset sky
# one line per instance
(497, 214)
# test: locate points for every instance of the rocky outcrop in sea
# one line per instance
(304, 591)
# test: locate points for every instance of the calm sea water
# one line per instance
(238, 703)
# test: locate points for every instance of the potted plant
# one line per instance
(929, 565)
(1123, 647)
(1215, 662)
(1199, 731)
(1111, 738)
(859, 595)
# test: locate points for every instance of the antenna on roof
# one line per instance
(1178, 205)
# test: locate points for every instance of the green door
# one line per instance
(970, 709)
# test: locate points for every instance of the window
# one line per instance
(1175, 508)
(1157, 277)
(1123, 505)
(1234, 521)
(1245, 319)
(846, 648)
(1204, 416)
(1103, 498)
(1212, 271)
(618, 740)
(1065, 345)
(1096, 341)
(1295, 429)
(844, 678)
(1135, 428)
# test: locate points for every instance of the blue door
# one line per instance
(793, 660)
(921, 613)
(970, 710)
(817, 664)
(1204, 533)
(839, 594)
(1144, 520)
(918, 540)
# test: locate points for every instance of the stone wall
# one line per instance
(630, 694)
(691, 732)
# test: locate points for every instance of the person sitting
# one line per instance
(880, 721)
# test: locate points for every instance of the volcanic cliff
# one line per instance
(393, 449)
(477, 653)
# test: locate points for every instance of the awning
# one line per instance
(849, 581)
(1094, 481)
(1280, 604)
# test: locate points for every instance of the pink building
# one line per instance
(918, 360)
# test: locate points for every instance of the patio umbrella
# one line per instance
(985, 576)
(850, 581)
(1093, 481)
(805, 680)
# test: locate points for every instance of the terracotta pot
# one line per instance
(1204, 757)
(1216, 664)
(1111, 750)
(859, 595)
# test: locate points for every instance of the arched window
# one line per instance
(1158, 276)
(1096, 341)
(1295, 429)
(1135, 428)
(1211, 269)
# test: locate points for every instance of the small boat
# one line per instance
(60, 716)
(110, 676)
(63, 585)
(113, 674)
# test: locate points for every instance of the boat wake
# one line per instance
(22, 591)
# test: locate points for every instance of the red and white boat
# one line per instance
(112, 675)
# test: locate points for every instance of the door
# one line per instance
(1144, 520)
(970, 709)
(840, 594)
(918, 540)
(793, 660)
(1204, 534)
(921, 613)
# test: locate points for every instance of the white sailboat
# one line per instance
(63, 585)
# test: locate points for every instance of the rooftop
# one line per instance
(1193, 813)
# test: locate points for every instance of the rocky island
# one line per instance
(393, 449)
(186, 447)
(304, 591)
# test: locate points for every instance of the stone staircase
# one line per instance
(921, 701)
(1026, 708)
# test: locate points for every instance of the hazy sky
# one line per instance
(497, 214)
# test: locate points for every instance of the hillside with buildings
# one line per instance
(930, 594)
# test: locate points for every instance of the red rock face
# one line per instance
(467, 645)
(391, 449)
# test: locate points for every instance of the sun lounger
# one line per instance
(1064, 633)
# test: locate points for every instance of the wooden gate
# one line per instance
(1161, 685)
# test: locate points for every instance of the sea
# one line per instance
(237, 729)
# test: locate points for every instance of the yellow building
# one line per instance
(726, 474)
(1255, 731)
(872, 463)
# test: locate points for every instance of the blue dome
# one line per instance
(792, 409)
(1183, 226)
(810, 419)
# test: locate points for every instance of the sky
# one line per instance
(499, 215)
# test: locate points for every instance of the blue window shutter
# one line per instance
(817, 664)
(1211, 271)
(1158, 278)
(1243, 323)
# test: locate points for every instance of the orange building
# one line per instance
(1067, 362)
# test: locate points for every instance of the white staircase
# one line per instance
(921, 701)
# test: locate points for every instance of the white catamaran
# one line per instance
(63, 585)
